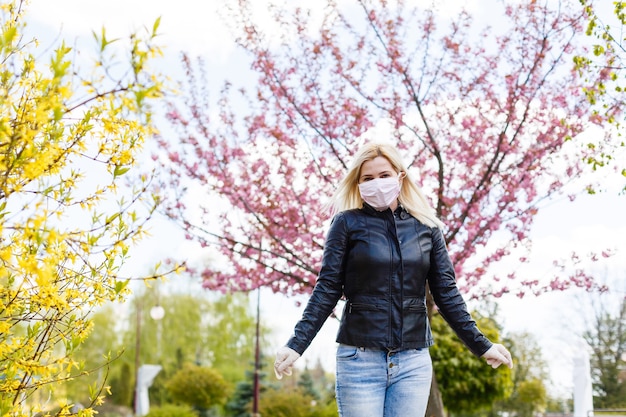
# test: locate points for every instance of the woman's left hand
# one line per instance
(498, 355)
(285, 357)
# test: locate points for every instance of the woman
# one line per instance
(384, 244)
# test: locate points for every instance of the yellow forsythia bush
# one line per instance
(67, 136)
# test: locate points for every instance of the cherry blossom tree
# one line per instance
(483, 117)
(487, 115)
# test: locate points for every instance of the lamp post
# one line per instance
(157, 313)
(137, 359)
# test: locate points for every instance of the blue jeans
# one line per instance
(381, 383)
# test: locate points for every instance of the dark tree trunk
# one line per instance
(435, 402)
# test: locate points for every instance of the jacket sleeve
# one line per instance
(328, 287)
(449, 301)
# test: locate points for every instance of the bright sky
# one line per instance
(589, 224)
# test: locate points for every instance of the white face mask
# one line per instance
(380, 192)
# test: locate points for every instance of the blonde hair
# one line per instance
(347, 195)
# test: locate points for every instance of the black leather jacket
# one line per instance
(380, 262)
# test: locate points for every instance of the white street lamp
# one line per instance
(157, 312)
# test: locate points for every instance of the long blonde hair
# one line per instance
(347, 195)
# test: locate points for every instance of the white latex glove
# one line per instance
(498, 355)
(285, 357)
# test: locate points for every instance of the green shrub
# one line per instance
(171, 410)
(286, 403)
(199, 387)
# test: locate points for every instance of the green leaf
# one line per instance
(120, 285)
(155, 26)
(112, 217)
(119, 171)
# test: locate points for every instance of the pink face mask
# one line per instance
(380, 192)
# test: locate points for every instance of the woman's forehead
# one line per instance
(376, 165)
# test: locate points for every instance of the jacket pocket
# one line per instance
(366, 321)
(355, 307)
(414, 305)
(416, 326)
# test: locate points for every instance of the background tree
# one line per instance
(466, 384)
(122, 386)
(95, 358)
(199, 328)
(482, 115)
(607, 337)
(323, 383)
(556, 405)
(69, 131)
(307, 384)
(204, 328)
(529, 394)
(230, 335)
(195, 329)
(240, 404)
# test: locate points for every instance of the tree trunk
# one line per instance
(435, 403)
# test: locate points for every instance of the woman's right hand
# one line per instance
(285, 358)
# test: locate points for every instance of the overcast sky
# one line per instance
(589, 224)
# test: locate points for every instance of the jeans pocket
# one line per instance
(346, 352)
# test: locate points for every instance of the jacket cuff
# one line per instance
(298, 347)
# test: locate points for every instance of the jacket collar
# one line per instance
(400, 211)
